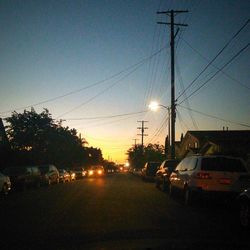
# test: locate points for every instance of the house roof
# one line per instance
(219, 136)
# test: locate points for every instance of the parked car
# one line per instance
(243, 202)
(79, 172)
(22, 177)
(64, 176)
(72, 174)
(49, 174)
(95, 171)
(149, 170)
(163, 173)
(217, 175)
(5, 184)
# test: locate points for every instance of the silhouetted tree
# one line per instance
(152, 152)
(37, 138)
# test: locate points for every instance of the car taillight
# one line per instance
(202, 175)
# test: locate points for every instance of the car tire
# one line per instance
(157, 184)
(5, 190)
(171, 190)
(244, 214)
(165, 186)
(188, 196)
(49, 182)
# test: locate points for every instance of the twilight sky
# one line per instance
(90, 62)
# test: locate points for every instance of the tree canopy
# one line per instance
(137, 156)
(37, 138)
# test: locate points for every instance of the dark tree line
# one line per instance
(137, 156)
(38, 138)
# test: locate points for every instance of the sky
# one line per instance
(97, 64)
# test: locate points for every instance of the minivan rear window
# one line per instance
(222, 164)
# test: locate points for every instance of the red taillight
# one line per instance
(204, 176)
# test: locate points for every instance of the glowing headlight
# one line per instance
(99, 172)
(91, 172)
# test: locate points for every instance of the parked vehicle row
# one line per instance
(22, 177)
(197, 178)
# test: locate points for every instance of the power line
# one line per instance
(216, 117)
(106, 117)
(219, 53)
(100, 93)
(90, 85)
(219, 70)
(203, 57)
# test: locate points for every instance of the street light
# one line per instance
(154, 106)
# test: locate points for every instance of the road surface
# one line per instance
(116, 212)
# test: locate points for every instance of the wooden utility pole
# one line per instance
(172, 14)
(142, 128)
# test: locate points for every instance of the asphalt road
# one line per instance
(116, 212)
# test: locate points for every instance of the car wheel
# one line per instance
(171, 190)
(49, 182)
(5, 189)
(244, 214)
(157, 184)
(188, 196)
(165, 186)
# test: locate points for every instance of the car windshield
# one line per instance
(222, 164)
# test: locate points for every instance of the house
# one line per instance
(228, 142)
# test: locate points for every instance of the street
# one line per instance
(118, 211)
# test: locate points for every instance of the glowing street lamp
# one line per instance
(154, 106)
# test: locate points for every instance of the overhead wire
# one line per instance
(139, 63)
(107, 117)
(206, 59)
(216, 56)
(216, 73)
(216, 117)
(186, 100)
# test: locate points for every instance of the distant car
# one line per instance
(95, 171)
(79, 172)
(49, 174)
(204, 175)
(5, 184)
(64, 176)
(163, 173)
(243, 202)
(72, 174)
(149, 170)
(23, 177)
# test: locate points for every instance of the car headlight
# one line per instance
(99, 172)
(91, 172)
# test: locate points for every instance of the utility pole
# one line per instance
(142, 128)
(135, 142)
(172, 14)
